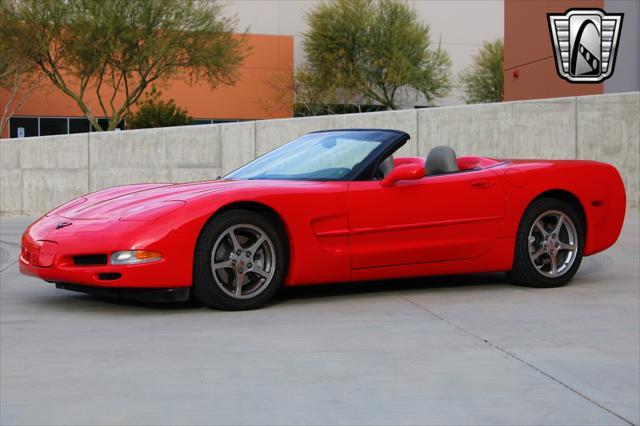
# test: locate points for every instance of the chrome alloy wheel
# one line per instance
(243, 261)
(553, 243)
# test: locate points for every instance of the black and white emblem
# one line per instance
(63, 225)
(585, 43)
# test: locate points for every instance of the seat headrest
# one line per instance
(441, 159)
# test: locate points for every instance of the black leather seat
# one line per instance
(441, 159)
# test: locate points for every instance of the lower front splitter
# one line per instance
(178, 294)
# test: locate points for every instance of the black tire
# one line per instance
(523, 271)
(205, 286)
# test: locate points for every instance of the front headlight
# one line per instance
(134, 257)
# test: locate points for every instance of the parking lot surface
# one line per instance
(440, 350)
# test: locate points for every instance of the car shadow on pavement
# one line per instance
(426, 284)
(67, 300)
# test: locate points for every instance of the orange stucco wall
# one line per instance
(263, 89)
(528, 49)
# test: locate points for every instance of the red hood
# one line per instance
(143, 200)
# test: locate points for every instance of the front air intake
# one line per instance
(90, 259)
(109, 276)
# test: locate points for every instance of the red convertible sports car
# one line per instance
(331, 206)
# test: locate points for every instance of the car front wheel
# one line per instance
(240, 260)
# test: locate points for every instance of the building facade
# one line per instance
(48, 111)
(275, 29)
(529, 65)
(275, 35)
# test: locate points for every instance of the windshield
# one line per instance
(316, 156)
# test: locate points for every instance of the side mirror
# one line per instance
(403, 172)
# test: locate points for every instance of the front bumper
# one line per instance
(151, 275)
(48, 253)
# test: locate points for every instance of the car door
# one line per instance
(435, 218)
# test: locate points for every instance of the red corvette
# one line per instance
(331, 206)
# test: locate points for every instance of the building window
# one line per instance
(79, 125)
(225, 120)
(104, 123)
(197, 122)
(23, 127)
(53, 126)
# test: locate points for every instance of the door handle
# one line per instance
(480, 184)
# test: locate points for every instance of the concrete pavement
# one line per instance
(454, 350)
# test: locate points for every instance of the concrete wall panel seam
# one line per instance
(575, 109)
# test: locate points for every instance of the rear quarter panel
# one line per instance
(597, 186)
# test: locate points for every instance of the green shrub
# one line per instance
(483, 81)
(154, 112)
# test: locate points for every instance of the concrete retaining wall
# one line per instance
(37, 174)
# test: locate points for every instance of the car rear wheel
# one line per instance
(240, 260)
(549, 244)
